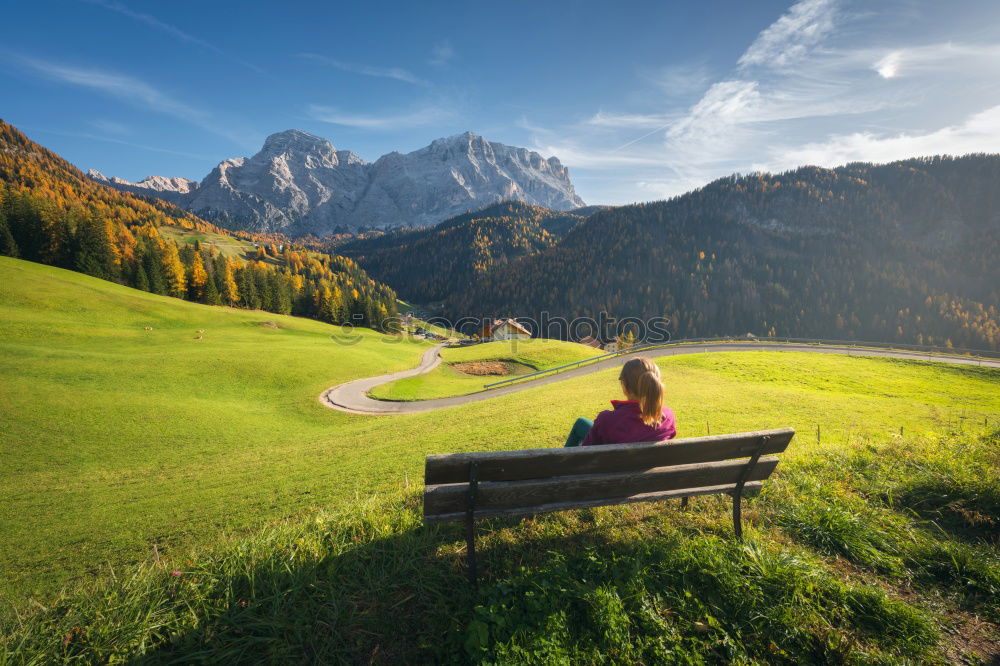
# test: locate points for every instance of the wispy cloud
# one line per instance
(682, 79)
(789, 38)
(822, 84)
(121, 142)
(631, 120)
(171, 30)
(585, 157)
(442, 54)
(131, 90)
(428, 115)
(397, 73)
(121, 86)
(110, 126)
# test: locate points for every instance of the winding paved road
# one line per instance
(352, 397)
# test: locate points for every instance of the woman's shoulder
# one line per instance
(604, 415)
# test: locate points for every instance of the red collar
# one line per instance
(622, 403)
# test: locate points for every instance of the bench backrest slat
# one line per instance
(548, 463)
(751, 488)
(451, 498)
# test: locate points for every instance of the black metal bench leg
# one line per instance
(470, 523)
(737, 515)
(738, 491)
(470, 548)
(684, 502)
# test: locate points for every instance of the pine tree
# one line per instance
(92, 248)
(8, 246)
(211, 295)
(25, 223)
(247, 288)
(141, 280)
(152, 264)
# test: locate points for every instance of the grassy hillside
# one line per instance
(117, 439)
(228, 246)
(445, 380)
(841, 566)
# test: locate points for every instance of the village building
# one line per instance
(504, 329)
(591, 341)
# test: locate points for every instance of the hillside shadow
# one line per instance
(965, 513)
(402, 598)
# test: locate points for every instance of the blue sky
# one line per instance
(641, 100)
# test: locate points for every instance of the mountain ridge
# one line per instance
(427, 264)
(300, 184)
(904, 251)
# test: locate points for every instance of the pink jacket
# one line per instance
(623, 425)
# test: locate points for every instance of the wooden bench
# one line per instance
(468, 486)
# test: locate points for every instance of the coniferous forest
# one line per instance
(52, 213)
(428, 264)
(902, 252)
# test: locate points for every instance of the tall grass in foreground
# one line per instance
(858, 556)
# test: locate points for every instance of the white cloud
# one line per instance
(428, 115)
(442, 54)
(934, 58)
(820, 85)
(790, 37)
(397, 73)
(888, 66)
(978, 133)
(715, 123)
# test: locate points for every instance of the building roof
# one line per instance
(591, 341)
(501, 322)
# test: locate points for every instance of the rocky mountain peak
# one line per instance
(298, 183)
(296, 141)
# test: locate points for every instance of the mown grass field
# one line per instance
(869, 547)
(227, 245)
(447, 381)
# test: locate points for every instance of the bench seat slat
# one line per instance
(750, 488)
(545, 463)
(505, 495)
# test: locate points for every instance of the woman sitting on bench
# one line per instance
(641, 417)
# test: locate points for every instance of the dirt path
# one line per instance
(352, 397)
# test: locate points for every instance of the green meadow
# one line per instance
(180, 494)
(446, 380)
(229, 246)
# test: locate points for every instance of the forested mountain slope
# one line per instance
(51, 213)
(428, 265)
(897, 252)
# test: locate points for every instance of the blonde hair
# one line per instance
(641, 378)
